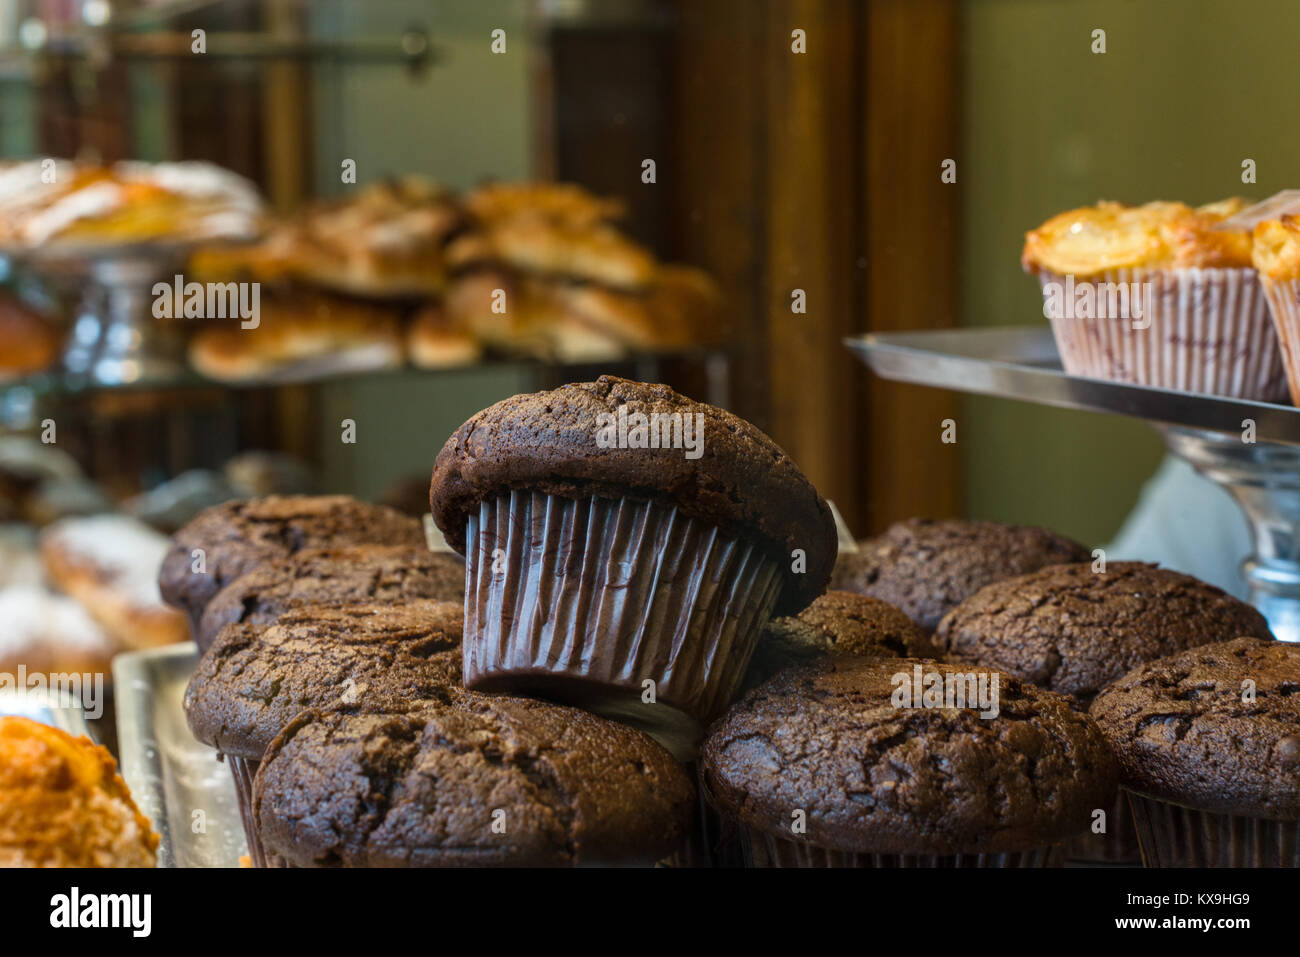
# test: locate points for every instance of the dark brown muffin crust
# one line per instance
(239, 536)
(839, 623)
(927, 567)
(385, 573)
(257, 677)
(1182, 731)
(876, 779)
(546, 441)
(1072, 630)
(422, 788)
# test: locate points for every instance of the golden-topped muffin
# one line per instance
(1159, 235)
(1276, 248)
(63, 804)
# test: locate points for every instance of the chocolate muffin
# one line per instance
(239, 536)
(838, 624)
(382, 573)
(928, 567)
(638, 539)
(828, 765)
(1072, 630)
(1208, 742)
(255, 678)
(472, 782)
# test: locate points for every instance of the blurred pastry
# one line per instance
(434, 342)
(532, 244)
(300, 338)
(256, 473)
(58, 498)
(20, 563)
(50, 634)
(131, 202)
(63, 804)
(26, 462)
(170, 505)
(29, 343)
(568, 203)
(385, 240)
(110, 564)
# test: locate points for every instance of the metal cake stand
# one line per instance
(1208, 431)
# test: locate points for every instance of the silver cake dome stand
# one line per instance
(1207, 431)
(114, 339)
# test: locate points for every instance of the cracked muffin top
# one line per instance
(1072, 630)
(927, 567)
(1215, 727)
(839, 623)
(386, 573)
(255, 678)
(874, 778)
(740, 481)
(1157, 235)
(476, 781)
(239, 536)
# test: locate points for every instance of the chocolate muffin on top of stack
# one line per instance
(628, 577)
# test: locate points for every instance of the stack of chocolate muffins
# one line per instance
(637, 662)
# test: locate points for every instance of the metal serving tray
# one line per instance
(171, 775)
(1021, 362)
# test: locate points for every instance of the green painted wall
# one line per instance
(1186, 90)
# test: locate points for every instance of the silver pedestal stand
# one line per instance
(1262, 475)
(115, 338)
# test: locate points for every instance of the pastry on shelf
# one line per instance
(20, 563)
(47, 634)
(433, 341)
(567, 203)
(534, 244)
(1159, 295)
(168, 506)
(385, 241)
(128, 202)
(29, 342)
(299, 338)
(63, 804)
(110, 564)
(257, 473)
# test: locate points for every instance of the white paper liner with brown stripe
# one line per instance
(1172, 835)
(1200, 330)
(762, 849)
(586, 600)
(1284, 305)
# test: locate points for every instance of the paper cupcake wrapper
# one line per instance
(243, 771)
(1284, 304)
(1172, 835)
(1119, 845)
(764, 850)
(585, 600)
(1200, 330)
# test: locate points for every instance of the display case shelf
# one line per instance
(1210, 432)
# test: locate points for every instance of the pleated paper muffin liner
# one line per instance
(1284, 304)
(1119, 845)
(587, 600)
(1173, 835)
(243, 771)
(1200, 330)
(762, 849)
